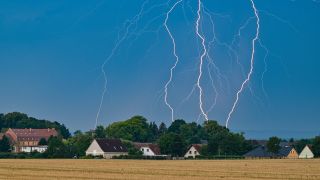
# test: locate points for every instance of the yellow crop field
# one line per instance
(153, 170)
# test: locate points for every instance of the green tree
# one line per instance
(273, 144)
(56, 148)
(5, 144)
(191, 132)
(175, 126)
(100, 132)
(316, 146)
(134, 129)
(300, 144)
(172, 144)
(43, 141)
(79, 143)
(162, 129)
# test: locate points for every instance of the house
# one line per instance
(27, 140)
(286, 152)
(108, 148)
(148, 149)
(306, 153)
(193, 151)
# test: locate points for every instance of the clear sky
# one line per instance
(51, 54)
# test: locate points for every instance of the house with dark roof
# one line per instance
(27, 140)
(108, 148)
(148, 149)
(286, 152)
(193, 150)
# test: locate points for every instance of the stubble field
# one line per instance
(141, 169)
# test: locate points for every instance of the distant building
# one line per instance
(108, 148)
(306, 153)
(27, 140)
(148, 149)
(193, 151)
(286, 152)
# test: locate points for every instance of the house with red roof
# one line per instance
(27, 140)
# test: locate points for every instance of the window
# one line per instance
(190, 152)
(147, 150)
(195, 152)
(142, 149)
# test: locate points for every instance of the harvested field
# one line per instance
(141, 169)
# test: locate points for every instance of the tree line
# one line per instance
(172, 140)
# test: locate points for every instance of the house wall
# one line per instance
(147, 151)
(94, 149)
(192, 152)
(29, 149)
(293, 154)
(110, 155)
(306, 153)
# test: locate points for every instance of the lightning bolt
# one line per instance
(251, 63)
(175, 55)
(128, 25)
(201, 61)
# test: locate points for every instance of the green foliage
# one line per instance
(134, 129)
(162, 129)
(20, 120)
(43, 141)
(79, 143)
(172, 144)
(316, 146)
(57, 149)
(175, 126)
(5, 144)
(100, 132)
(273, 144)
(299, 145)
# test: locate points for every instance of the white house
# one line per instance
(108, 148)
(148, 149)
(306, 153)
(193, 151)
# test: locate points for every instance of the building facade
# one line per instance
(27, 140)
(107, 148)
(193, 151)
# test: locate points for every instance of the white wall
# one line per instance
(94, 149)
(192, 152)
(147, 151)
(306, 153)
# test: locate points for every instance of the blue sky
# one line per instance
(51, 54)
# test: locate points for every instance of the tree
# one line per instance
(56, 148)
(316, 146)
(100, 132)
(299, 145)
(191, 133)
(175, 126)
(79, 143)
(5, 144)
(43, 141)
(172, 144)
(133, 129)
(153, 132)
(273, 144)
(162, 129)
(20, 120)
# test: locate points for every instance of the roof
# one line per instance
(18, 135)
(285, 151)
(111, 145)
(262, 151)
(33, 134)
(154, 147)
(196, 146)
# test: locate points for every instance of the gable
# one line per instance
(94, 148)
(306, 153)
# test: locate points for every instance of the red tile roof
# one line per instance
(32, 134)
(197, 147)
